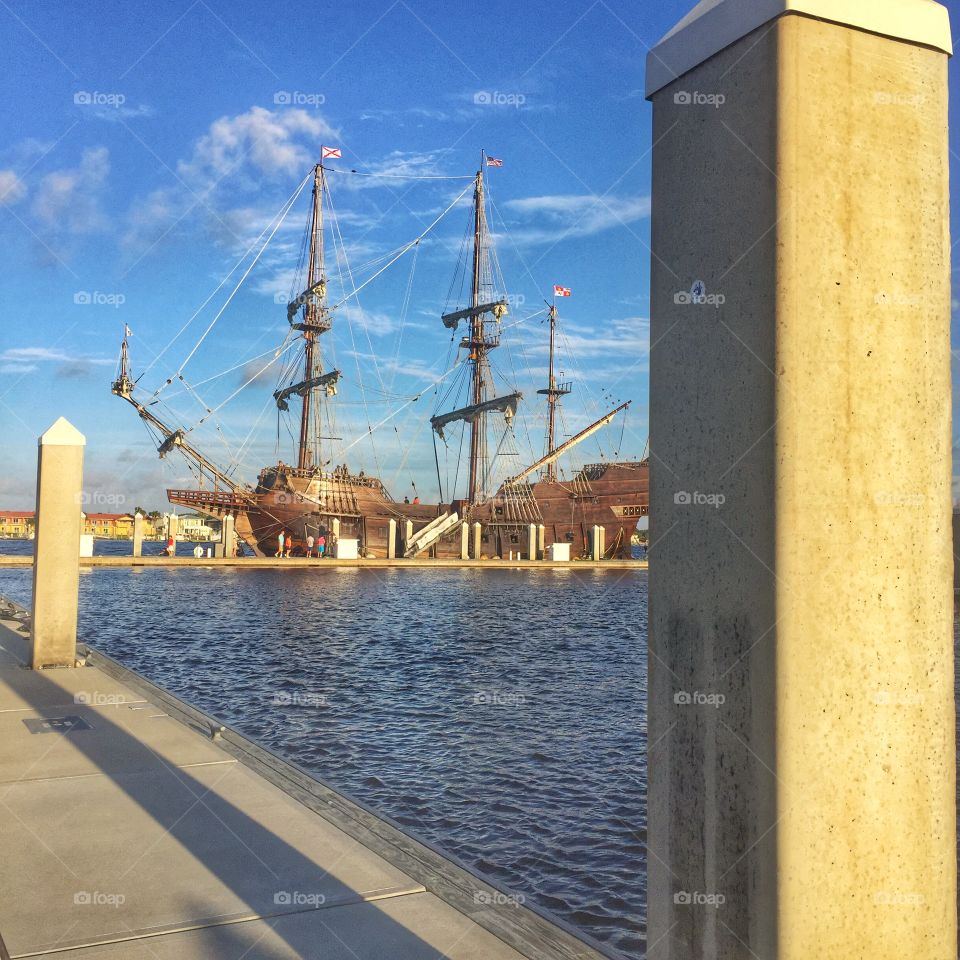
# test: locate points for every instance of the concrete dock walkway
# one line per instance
(133, 826)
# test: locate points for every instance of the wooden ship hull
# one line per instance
(304, 503)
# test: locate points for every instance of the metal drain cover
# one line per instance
(56, 724)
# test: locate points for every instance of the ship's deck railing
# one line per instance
(330, 476)
(213, 498)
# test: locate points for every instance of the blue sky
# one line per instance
(147, 147)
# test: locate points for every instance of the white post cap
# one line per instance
(714, 25)
(62, 434)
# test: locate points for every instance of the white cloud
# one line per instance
(32, 354)
(12, 368)
(573, 215)
(229, 161)
(68, 201)
(12, 188)
(377, 324)
(265, 140)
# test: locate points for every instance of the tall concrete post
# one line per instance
(228, 534)
(595, 551)
(56, 556)
(407, 534)
(541, 541)
(464, 540)
(477, 540)
(801, 719)
(532, 542)
(392, 540)
(335, 528)
(138, 534)
(172, 531)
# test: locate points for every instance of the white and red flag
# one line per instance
(561, 291)
(330, 153)
(494, 162)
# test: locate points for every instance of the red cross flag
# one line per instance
(329, 153)
(561, 291)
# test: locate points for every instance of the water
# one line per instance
(498, 713)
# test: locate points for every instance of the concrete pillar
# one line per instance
(392, 540)
(407, 534)
(801, 720)
(603, 542)
(464, 540)
(138, 534)
(541, 541)
(172, 530)
(477, 540)
(532, 542)
(595, 553)
(335, 528)
(228, 535)
(56, 558)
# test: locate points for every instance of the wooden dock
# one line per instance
(301, 563)
(136, 827)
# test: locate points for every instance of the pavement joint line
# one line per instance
(146, 933)
(115, 776)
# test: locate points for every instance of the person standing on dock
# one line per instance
(280, 538)
(321, 546)
(309, 545)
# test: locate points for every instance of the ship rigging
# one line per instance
(313, 494)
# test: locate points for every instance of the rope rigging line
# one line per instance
(403, 250)
(393, 176)
(284, 210)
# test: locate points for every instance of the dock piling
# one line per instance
(477, 540)
(56, 563)
(801, 713)
(392, 541)
(138, 534)
(464, 540)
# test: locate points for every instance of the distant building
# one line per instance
(17, 524)
(108, 526)
(194, 527)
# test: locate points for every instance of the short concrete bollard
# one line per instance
(138, 534)
(392, 541)
(477, 540)
(56, 558)
(595, 544)
(228, 536)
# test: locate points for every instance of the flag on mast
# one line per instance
(127, 332)
(494, 162)
(561, 291)
(330, 153)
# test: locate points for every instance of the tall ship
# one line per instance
(320, 494)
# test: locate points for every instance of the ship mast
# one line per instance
(553, 394)
(308, 438)
(477, 344)
(482, 336)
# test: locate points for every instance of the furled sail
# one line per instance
(319, 288)
(507, 405)
(328, 380)
(498, 308)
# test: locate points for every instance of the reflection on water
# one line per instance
(498, 713)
